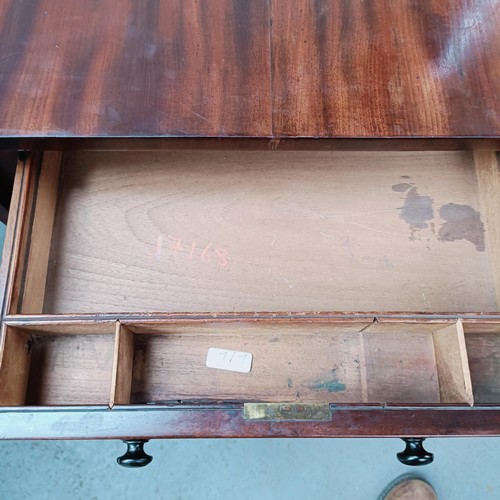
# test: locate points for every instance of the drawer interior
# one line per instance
(131, 266)
(217, 231)
(70, 370)
(48, 368)
(348, 363)
(334, 362)
(483, 347)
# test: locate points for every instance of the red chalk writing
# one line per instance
(206, 257)
(176, 246)
(222, 254)
(194, 252)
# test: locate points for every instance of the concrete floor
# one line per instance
(243, 469)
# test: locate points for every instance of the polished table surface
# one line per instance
(234, 68)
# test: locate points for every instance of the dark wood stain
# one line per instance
(402, 187)
(462, 223)
(417, 209)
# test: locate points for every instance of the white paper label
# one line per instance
(224, 359)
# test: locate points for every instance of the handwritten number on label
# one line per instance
(226, 359)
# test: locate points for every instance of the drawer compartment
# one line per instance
(483, 347)
(126, 268)
(330, 362)
(50, 369)
(216, 231)
(346, 363)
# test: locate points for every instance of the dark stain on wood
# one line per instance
(402, 187)
(462, 223)
(417, 209)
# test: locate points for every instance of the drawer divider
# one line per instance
(121, 381)
(452, 364)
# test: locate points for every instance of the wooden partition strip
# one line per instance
(41, 233)
(121, 381)
(452, 365)
(13, 244)
(488, 181)
(14, 366)
(161, 322)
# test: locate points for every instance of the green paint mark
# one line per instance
(330, 386)
(290, 383)
(333, 385)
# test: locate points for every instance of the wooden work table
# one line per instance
(312, 183)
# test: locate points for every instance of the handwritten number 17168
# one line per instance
(192, 252)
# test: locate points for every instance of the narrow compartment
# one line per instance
(341, 363)
(483, 350)
(47, 369)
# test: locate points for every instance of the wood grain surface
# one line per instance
(267, 68)
(256, 231)
(134, 68)
(386, 68)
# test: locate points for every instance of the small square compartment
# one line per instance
(483, 350)
(53, 369)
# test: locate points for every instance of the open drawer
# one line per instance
(219, 231)
(126, 268)
(325, 362)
